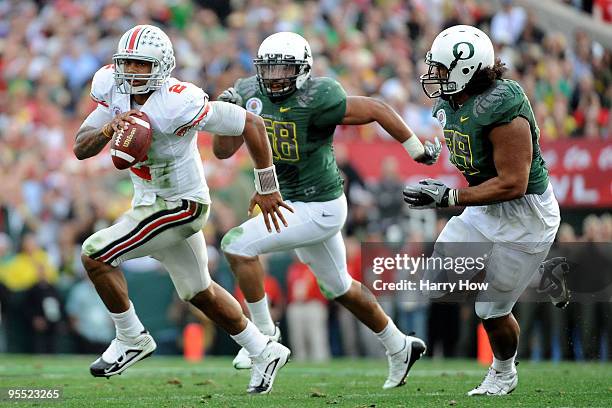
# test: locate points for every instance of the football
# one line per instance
(129, 146)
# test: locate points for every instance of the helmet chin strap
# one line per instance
(280, 98)
(138, 90)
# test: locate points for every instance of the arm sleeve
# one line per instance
(332, 103)
(98, 118)
(224, 119)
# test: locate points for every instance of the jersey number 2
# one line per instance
(283, 138)
(178, 88)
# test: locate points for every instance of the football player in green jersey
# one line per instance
(301, 114)
(492, 136)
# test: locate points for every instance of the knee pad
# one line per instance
(334, 288)
(91, 245)
(188, 294)
(188, 290)
(232, 244)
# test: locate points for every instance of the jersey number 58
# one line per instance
(283, 138)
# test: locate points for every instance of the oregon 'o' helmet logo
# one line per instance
(463, 50)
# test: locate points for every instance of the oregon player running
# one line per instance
(301, 128)
(492, 136)
(301, 114)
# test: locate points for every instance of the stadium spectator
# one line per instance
(91, 325)
(44, 311)
(602, 10)
(274, 293)
(307, 315)
(508, 23)
(4, 295)
(27, 267)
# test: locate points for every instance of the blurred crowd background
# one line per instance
(50, 202)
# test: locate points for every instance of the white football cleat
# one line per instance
(242, 361)
(401, 362)
(265, 367)
(122, 354)
(496, 383)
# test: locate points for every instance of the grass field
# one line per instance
(172, 382)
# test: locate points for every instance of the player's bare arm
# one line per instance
(512, 152)
(256, 140)
(89, 141)
(361, 110)
(224, 147)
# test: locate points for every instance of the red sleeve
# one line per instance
(292, 276)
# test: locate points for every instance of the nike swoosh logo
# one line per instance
(267, 374)
(130, 355)
(408, 354)
(283, 110)
(462, 119)
(324, 214)
(436, 191)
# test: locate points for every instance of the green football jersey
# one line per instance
(466, 132)
(301, 130)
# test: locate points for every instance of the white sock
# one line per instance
(260, 315)
(127, 324)
(251, 339)
(504, 366)
(392, 338)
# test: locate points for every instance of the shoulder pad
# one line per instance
(176, 96)
(321, 91)
(102, 85)
(324, 83)
(183, 105)
(176, 92)
(500, 96)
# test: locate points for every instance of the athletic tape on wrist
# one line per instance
(414, 147)
(265, 180)
(107, 130)
(453, 197)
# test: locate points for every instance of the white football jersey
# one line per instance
(173, 168)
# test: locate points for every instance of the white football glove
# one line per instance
(230, 95)
(430, 193)
(432, 152)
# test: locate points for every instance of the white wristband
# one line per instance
(265, 180)
(453, 197)
(414, 147)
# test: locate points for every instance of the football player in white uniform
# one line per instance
(171, 200)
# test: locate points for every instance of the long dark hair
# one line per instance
(485, 78)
